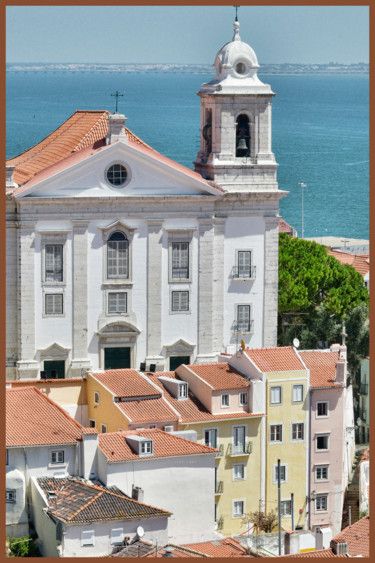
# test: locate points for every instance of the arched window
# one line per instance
(118, 256)
(243, 136)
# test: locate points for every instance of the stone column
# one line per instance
(154, 292)
(27, 367)
(11, 299)
(271, 279)
(218, 285)
(80, 299)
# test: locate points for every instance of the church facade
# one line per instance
(118, 256)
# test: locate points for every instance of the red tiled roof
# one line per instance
(148, 410)
(284, 227)
(34, 419)
(228, 547)
(357, 537)
(41, 382)
(322, 366)
(115, 447)
(219, 375)
(365, 455)
(126, 383)
(319, 553)
(359, 261)
(175, 550)
(275, 359)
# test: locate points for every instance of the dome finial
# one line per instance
(236, 36)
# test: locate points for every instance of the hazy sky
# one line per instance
(185, 34)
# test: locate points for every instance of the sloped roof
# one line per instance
(34, 419)
(220, 376)
(175, 550)
(275, 359)
(357, 536)
(148, 410)
(115, 447)
(228, 547)
(361, 262)
(126, 383)
(322, 366)
(79, 502)
(320, 553)
(284, 227)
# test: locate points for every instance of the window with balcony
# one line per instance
(244, 322)
(276, 433)
(210, 437)
(239, 440)
(244, 268)
(275, 395)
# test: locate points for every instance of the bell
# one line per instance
(242, 144)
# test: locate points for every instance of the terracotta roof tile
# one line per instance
(34, 419)
(319, 553)
(219, 375)
(284, 227)
(359, 261)
(115, 447)
(148, 410)
(175, 550)
(322, 366)
(77, 501)
(357, 537)
(126, 383)
(228, 547)
(275, 359)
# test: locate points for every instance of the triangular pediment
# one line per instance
(148, 174)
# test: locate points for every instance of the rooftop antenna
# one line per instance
(117, 95)
(236, 18)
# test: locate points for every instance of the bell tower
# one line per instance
(235, 149)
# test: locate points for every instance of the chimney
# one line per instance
(10, 183)
(89, 445)
(339, 548)
(138, 494)
(323, 538)
(291, 542)
(341, 372)
(116, 128)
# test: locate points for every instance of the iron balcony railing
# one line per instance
(363, 388)
(240, 449)
(219, 488)
(221, 452)
(220, 523)
(243, 326)
(244, 273)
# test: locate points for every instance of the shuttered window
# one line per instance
(244, 264)
(243, 318)
(180, 300)
(54, 304)
(54, 263)
(118, 256)
(117, 302)
(180, 260)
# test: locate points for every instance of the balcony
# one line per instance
(363, 389)
(243, 326)
(241, 273)
(221, 452)
(219, 488)
(235, 450)
(220, 523)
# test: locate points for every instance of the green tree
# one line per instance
(23, 547)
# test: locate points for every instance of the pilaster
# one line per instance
(154, 291)
(271, 279)
(218, 285)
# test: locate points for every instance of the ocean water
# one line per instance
(320, 131)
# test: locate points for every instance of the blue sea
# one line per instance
(320, 131)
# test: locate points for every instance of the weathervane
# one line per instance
(236, 20)
(117, 95)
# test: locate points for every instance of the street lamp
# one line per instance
(302, 186)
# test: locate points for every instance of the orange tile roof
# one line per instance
(115, 447)
(148, 410)
(359, 261)
(177, 551)
(228, 547)
(126, 383)
(220, 375)
(275, 359)
(284, 227)
(191, 409)
(322, 366)
(357, 537)
(34, 419)
(320, 553)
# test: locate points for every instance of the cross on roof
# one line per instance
(236, 12)
(117, 95)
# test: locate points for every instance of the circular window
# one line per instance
(117, 175)
(240, 68)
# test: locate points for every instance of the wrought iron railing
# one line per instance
(240, 449)
(221, 452)
(244, 273)
(243, 326)
(220, 523)
(219, 488)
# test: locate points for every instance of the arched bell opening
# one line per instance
(243, 136)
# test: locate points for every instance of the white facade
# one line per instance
(221, 225)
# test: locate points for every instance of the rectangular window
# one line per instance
(118, 256)
(10, 495)
(53, 263)
(243, 399)
(282, 473)
(96, 397)
(322, 442)
(57, 456)
(210, 437)
(7, 457)
(180, 260)
(238, 508)
(180, 300)
(322, 408)
(146, 447)
(87, 537)
(225, 400)
(298, 431)
(182, 391)
(117, 536)
(275, 395)
(321, 473)
(238, 472)
(239, 439)
(297, 393)
(286, 508)
(103, 428)
(117, 303)
(54, 304)
(243, 318)
(244, 264)
(276, 433)
(321, 502)
(92, 423)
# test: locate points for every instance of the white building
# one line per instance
(117, 255)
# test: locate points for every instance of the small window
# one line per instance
(297, 393)
(10, 496)
(152, 426)
(244, 269)
(275, 395)
(118, 256)
(322, 408)
(92, 423)
(243, 399)
(117, 536)
(286, 508)
(182, 391)
(210, 437)
(282, 473)
(7, 457)
(117, 175)
(57, 456)
(180, 300)
(322, 442)
(321, 473)
(87, 537)
(96, 397)
(238, 472)
(276, 433)
(180, 260)
(117, 303)
(240, 68)
(244, 323)
(53, 263)
(103, 428)
(298, 431)
(146, 447)
(224, 400)
(321, 503)
(54, 304)
(238, 508)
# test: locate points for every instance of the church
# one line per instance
(119, 257)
